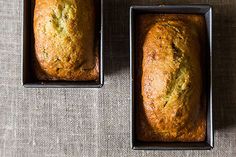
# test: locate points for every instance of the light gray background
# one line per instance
(95, 122)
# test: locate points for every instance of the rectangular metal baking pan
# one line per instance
(204, 10)
(28, 76)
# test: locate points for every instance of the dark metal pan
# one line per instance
(204, 10)
(28, 75)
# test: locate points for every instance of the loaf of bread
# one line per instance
(171, 79)
(64, 32)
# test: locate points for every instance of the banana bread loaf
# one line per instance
(64, 35)
(171, 79)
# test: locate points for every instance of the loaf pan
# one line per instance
(29, 79)
(204, 10)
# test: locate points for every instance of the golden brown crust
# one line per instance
(64, 40)
(171, 81)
